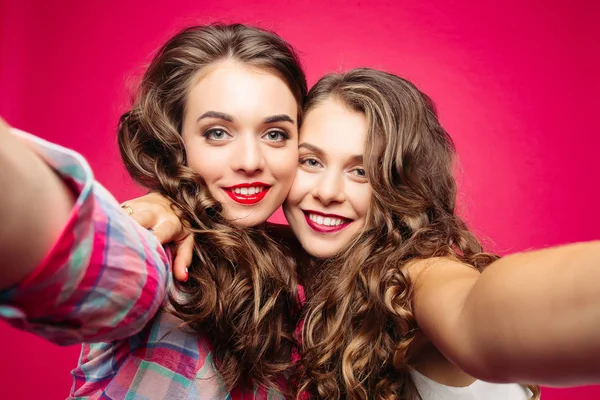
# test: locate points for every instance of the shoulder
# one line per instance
(438, 270)
(441, 287)
(436, 280)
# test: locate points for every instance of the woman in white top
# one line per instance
(402, 300)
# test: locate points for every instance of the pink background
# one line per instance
(515, 82)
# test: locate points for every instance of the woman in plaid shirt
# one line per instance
(214, 128)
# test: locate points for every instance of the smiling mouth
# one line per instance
(325, 223)
(248, 193)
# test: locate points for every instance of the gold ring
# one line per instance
(127, 208)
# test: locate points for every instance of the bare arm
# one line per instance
(35, 205)
(529, 317)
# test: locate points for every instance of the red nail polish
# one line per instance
(187, 275)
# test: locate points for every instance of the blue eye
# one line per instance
(310, 162)
(360, 172)
(216, 134)
(276, 136)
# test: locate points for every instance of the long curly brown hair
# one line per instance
(242, 291)
(359, 322)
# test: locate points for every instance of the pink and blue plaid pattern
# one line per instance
(104, 284)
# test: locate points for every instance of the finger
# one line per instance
(166, 231)
(145, 218)
(184, 252)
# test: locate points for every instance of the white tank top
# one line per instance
(478, 390)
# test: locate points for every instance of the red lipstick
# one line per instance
(247, 199)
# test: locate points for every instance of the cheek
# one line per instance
(301, 187)
(362, 200)
(205, 162)
(283, 164)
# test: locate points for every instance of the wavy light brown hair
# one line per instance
(360, 322)
(242, 292)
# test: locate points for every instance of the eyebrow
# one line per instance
(216, 114)
(355, 159)
(229, 118)
(311, 147)
(278, 118)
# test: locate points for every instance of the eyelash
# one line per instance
(208, 132)
(363, 170)
(284, 135)
(303, 161)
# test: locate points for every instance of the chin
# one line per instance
(321, 251)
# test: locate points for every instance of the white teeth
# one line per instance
(327, 221)
(245, 191)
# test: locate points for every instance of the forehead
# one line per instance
(243, 91)
(334, 128)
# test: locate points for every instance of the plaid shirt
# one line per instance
(104, 284)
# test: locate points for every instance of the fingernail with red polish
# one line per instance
(187, 275)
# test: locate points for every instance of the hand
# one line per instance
(154, 212)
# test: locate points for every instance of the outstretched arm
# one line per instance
(531, 317)
(35, 205)
(95, 274)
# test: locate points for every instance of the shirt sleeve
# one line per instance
(105, 277)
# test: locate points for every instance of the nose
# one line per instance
(330, 188)
(248, 157)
